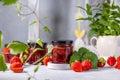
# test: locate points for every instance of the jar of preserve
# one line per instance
(37, 54)
(62, 50)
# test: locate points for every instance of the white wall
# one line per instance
(11, 26)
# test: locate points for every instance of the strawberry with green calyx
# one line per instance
(15, 59)
(76, 66)
(16, 67)
(86, 65)
(46, 60)
(101, 62)
(111, 61)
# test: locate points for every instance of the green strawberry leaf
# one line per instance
(3, 66)
(17, 47)
(9, 2)
(47, 29)
(74, 57)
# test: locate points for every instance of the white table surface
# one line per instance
(47, 74)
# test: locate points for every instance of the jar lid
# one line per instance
(32, 44)
(57, 42)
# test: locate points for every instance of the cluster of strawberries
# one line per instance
(87, 65)
(16, 64)
(111, 61)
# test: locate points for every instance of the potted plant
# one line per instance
(104, 21)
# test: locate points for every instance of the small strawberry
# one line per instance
(111, 61)
(86, 65)
(76, 66)
(101, 62)
(118, 59)
(16, 67)
(15, 59)
(46, 60)
(117, 66)
(5, 50)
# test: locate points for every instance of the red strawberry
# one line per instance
(16, 67)
(46, 60)
(15, 59)
(117, 66)
(5, 50)
(86, 65)
(118, 59)
(111, 61)
(76, 66)
(101, 62)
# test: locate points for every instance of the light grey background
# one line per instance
(61, 20)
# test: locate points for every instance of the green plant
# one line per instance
(104, 19)
(8, 2)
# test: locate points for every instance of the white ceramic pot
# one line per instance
(106, 45)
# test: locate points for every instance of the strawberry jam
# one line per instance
(62, 51)
(37, 54)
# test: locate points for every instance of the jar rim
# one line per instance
(34, 43)
(57, 42)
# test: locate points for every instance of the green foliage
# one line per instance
(74, 57)
(104, 19)
(47, 29)
(37, 68)
(85, 54)
(8, 2)
(17, 47)
(3, 66)
(32, 23)
(29, 78)
(1, 38)
(39, 42)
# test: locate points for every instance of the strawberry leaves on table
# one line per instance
(85, 54)
(17, 47)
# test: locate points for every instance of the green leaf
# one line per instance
(1, 38)
(39, 42)
(89, 12)
(17, 47)
(29, 78)
(18, 7)
(9, 2)
(37, 68)
(74, 57)
(47, 29)
(32, 23)
(81, 8)
(3, 66)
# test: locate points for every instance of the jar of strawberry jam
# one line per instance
(37, 54)
(62, 50)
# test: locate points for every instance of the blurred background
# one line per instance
(61, 19)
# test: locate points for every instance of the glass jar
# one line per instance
(37, 54)
(62, 50)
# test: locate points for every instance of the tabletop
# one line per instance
(106, 73)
